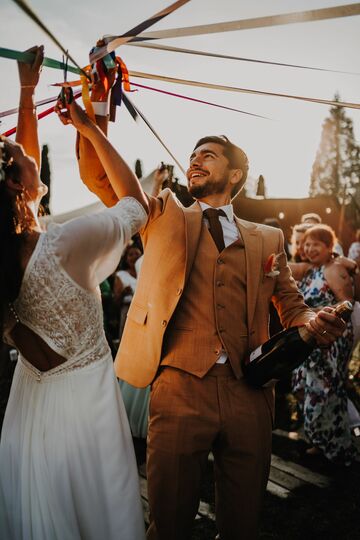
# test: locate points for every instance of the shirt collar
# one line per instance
(228, 209)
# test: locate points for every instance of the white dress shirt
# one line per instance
(230, 230)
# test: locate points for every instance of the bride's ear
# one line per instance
(14, 185)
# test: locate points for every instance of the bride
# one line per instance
(67, 466)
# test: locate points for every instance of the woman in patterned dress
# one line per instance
(322, 378)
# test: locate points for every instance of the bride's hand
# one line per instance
(29, 74)
(73, 114)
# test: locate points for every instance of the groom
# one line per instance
(201, 305)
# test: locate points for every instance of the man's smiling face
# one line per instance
(209, 172)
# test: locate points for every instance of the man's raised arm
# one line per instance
(91, 169)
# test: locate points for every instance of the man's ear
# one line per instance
(236, 176)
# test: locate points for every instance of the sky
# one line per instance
(282, 148)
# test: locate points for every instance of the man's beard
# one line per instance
(208, 188)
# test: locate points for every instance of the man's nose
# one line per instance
(197, 161)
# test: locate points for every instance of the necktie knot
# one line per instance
(213, 213)
(215, 228)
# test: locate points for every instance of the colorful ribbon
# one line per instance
(37, 104)
(158, 47)
(39, 116)
(115, 41)
(335, 12)
(186, 82)
(157, 136)
(197, 100)
(86, 97)
(28, 58)
(22, 5)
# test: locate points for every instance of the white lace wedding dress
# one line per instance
(67, 465)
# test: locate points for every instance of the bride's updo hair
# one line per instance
(11, 228)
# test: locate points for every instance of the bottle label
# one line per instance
(255, 354)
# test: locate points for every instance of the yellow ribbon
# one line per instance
(86, 97)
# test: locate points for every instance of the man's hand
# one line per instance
(350, 265)
(326, 327)
(101, 87)
(103, 79)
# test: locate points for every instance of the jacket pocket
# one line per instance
(137, 313)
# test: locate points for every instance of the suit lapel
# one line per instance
(193, 222)
(253, 250)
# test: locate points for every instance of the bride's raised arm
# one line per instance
(122, 179)
(27, 129)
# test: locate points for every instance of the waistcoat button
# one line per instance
(179, 291)
(219, 283)
(164, 323)
(220, 261)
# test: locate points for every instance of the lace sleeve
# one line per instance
(130, 211)
(89, 248)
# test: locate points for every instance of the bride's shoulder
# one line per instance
(52, 235)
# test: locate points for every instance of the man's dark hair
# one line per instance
(236, 157)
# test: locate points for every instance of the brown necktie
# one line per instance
(215, 229)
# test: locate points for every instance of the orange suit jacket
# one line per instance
(170, 240)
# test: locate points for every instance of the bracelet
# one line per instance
(28, 86)
(21, 107)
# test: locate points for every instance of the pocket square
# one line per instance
(271, 266)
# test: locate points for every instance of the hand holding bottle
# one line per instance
(326, 327)
(288, 349)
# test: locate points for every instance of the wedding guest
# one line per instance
(312, 218)
(136, 400)
(322, 378)
(67, 465)
(125, 282)
(297, 241)
(354, 250)
(315, 219)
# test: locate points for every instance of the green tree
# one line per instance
(45, 176)
(336, 169)
(261, 189)
(138, 168)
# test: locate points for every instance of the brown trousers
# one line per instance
(188, 418)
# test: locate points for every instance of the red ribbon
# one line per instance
(39, 117)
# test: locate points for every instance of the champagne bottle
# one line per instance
(285, 351)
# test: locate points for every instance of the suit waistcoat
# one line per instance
(211, 314)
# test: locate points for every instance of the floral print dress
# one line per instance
(322, 377)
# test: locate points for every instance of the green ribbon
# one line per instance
(28, 58)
